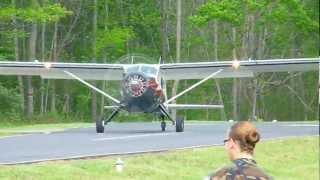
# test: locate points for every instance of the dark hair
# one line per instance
(246, 134)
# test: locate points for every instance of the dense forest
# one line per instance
(104, 31)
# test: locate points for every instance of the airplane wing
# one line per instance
(200, 70)
(51, 70)
(175, 71)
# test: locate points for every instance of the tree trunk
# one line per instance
(254, 54)
(24, 79)
(102, 99)
(258, 96)
(215, 55)
(164, 33)
(30, 97)
(54, 59)
(105, 60)
(66, 104)
(293, 83)
(17, 56)
(251, 37)
(164, 37)
(222, 111)
(215, 40)
(254, 99)
(46, 97)
(235, 80)
(318, 115)
(32, 57)
(43, 57)
(53, 97)
(93, 93)
(178, 48)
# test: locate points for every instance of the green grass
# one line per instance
(14, 129)
(290, 159)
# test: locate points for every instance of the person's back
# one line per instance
(242, 169)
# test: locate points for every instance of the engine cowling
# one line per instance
(135, 85)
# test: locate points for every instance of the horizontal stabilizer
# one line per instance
(193, 106)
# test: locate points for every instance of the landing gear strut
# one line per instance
(163, 123)
(179, 122)
(163, 126)
(101, 123)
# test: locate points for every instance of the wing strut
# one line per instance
(92, 87)
(193, 86)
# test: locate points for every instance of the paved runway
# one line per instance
(127, 138)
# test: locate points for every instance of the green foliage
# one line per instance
(6, 13)
(6, 46)
(225, 10)
(82, 103)
(48, 13)
(2, 56)
(12, 34)
(10, 102)
(291, 13)
(287, 28)
(113, 40)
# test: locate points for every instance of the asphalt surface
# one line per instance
(130, 138)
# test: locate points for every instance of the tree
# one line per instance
(178, 54)
(211, 30)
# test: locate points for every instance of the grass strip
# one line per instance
(293, 158)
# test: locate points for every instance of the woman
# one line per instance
(239, 145)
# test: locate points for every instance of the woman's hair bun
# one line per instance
(253, 137)
(246, 134)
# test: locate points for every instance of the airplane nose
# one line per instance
(135, 85)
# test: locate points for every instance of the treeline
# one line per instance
(103, 31)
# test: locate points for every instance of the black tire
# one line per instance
(163, 126)
(179, 124)
(100, 126)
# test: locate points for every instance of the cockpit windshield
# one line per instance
(132, 69)
(149, 70)
(145, 69)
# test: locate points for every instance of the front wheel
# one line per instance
(163, 126)
(100, 126)
(179, 124)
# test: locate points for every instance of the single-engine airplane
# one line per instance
(144, 85)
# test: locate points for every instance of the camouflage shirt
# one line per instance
(242, 169)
